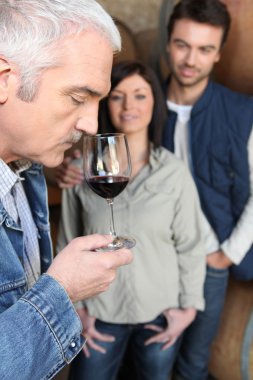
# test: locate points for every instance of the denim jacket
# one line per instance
(39, 328)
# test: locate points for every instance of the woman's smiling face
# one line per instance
(131, 105)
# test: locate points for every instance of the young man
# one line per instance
(210, 128)
(55, 65)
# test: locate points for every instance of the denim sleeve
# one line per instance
(40, 333)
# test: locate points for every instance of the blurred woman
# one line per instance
(155, 298)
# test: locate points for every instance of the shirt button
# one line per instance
(72, 344)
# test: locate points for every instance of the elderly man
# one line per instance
(55, 64)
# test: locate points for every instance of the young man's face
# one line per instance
(193, 50)
(66, 103)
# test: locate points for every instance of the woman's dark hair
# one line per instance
(124, 70)
(212, 12)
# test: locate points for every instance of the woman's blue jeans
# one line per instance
(149, 362)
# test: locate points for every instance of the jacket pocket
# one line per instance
(221, 172)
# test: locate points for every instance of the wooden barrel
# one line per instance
(158, 56)
(232, 350)
(129, 48)
(235, 69)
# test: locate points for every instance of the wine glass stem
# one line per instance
(112, 228)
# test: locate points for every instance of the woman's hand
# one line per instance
(68, 174)
(91, 333)
(177, 321)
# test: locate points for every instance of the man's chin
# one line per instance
(52, 162)
(191, 81)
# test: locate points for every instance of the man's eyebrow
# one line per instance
(180, 40)
(188, 45)
(212, 47)
(86, 90)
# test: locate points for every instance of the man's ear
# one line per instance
(5, 69)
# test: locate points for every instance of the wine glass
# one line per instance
(107, 169)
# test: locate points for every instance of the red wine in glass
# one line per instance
(107, 169)
(107, 186)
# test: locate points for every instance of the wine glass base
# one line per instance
(118, 243)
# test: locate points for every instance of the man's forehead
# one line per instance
(186, 24)
(200, 33)
(90, 40)
(87, 63)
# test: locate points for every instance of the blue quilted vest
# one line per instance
(219, 129)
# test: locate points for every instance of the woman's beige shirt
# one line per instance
(160, 209)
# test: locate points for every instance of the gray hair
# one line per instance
(29, 30)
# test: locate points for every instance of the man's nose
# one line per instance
(191, 57)
(88, 120)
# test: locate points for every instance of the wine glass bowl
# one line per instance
(107, 169)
